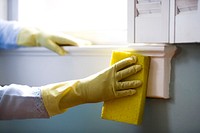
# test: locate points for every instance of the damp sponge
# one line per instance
(128, 109)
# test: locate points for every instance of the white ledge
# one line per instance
(145, 49)
(160, 65)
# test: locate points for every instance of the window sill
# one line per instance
(160, 66)
(145, 49)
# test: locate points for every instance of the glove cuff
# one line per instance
(27, 37)
(59, 97)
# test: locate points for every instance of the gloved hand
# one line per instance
(52, 41)
(102, 86)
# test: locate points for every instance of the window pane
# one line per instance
(90, 17)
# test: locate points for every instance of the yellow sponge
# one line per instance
(128, 109)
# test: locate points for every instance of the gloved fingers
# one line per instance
(124, 73)
(125, 62)
(54, 47)
(64, 39)
(125, 93)
(125, 85)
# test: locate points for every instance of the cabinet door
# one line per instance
(152, 21)
(187, 21)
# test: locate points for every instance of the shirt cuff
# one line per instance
(21, 102)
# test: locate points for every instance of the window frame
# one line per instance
(3, 9)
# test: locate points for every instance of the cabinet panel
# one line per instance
(152, 21)
(187, 27)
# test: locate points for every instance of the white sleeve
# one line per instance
(21, 102)
(9, 31)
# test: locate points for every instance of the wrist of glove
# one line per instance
(52, 41)
(102, 86)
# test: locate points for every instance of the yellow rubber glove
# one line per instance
(102, 86)
(52, 41)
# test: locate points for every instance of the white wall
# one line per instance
(3, 9)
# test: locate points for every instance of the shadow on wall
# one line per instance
(155, 116)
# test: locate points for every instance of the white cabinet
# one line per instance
(164, 21)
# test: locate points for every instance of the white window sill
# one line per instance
(160, 66)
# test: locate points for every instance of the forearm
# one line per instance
(21, 102)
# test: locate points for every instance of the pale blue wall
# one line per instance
(180, 114)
